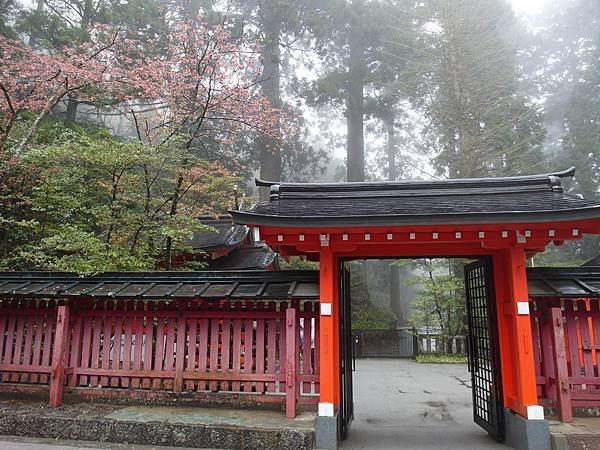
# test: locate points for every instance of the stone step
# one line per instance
(158, 426)
(583, 433)
(575, 441)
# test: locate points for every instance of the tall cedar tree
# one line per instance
(483, 123)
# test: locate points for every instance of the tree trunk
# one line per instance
(172, 213)
(268, 149)
(355, 147)
(394, 271)
(391, 147)
(71, 116)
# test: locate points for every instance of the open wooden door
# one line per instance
(484, 357)
(346, 394)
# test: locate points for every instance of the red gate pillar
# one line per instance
(329, 334)
(515, 335)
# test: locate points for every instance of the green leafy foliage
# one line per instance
(365, 314)
(440, 303)
(441, 359)
(94, 203)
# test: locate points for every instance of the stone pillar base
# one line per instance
(327, 432)
(523, 434)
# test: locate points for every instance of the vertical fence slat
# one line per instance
(37, 343)
(260, 351)
(3, 323)
(214, 351)
(192, 350)
(170, 351)
(75, 354)
(537, 349)
(586, 340)
(96, 336)
(180, 354)
(137, 349)
(105, 352)
(226, 352)
(271, 348)
(18, 348)
(159, 351)
(11, 329)
(202, 350)
(30, 324)
(306, 349)
(248, 357)
(47, 343)
(85, 349)
(117, 347)
(573, 344)
(237, 351)
(127, 346)
(148, 346)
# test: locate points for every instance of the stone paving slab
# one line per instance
(214, 416)
(402, 404)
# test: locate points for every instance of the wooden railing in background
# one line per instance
(261, 351)
(566, 334)
(443, 345)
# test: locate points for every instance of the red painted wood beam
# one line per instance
(532, 236)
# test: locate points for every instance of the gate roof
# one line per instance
(521, 199)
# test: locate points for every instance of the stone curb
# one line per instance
(154, 433)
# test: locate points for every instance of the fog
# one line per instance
(204, 95)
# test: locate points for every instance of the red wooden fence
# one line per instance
(567, 352)
(264, 351)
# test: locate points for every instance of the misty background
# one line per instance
(370, 90)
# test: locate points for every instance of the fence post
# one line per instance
(291, 363)
(359, 343)
(561, 374)
(59, 355)
(415, 342)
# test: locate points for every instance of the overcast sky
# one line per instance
(528, 7)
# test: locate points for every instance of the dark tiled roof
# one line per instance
(256, 257)
(263, 285)
(564, 281)
(478, 200)
(227, 235)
